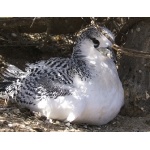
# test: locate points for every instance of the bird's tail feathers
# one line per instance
(8, 78)
(10, 73)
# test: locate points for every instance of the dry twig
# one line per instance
(131, 52)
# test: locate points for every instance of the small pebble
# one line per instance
(147, 95)
(140, 71)
(22, 126)
(57, 122)
(50, 121)
(10, 125)
(16, 111)
(13, 34)
(138, 29)
(68, 124)
(114, 122)
(5, 114)
(4, 24)
(72, 130)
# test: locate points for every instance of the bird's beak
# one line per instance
(111, 53)
(108, 52)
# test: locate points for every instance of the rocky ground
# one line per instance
(16, 119)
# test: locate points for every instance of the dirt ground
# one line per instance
(14, 119)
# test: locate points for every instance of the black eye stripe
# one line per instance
(96, 42)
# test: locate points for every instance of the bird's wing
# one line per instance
(52, 75)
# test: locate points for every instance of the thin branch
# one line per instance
(131, 52)
(32, 22)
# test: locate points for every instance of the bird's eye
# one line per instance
(96, 42)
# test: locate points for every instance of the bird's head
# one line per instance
(95, 39)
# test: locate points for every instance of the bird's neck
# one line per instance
(80, 63)
(89, 60)
(86, 53)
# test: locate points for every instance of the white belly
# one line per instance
(96, 101)
(103, 102)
